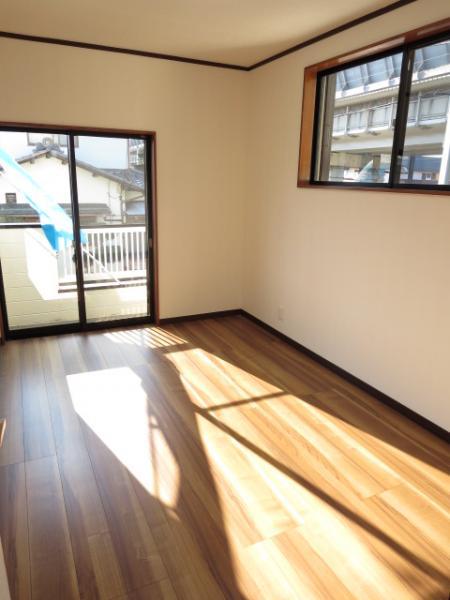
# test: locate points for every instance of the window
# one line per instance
(46, 139)
(10, 198)
(380, 119)
(426, 149)
(357, 112)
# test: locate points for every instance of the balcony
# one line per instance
(112, 257)
(40, 284)
(423, 111)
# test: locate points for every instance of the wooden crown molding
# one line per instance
(104, 48)
(88, 46)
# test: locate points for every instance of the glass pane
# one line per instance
(427, 143)
(112, 205)
(37, 262)
(358, 107)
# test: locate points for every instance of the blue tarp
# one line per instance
(55, 222)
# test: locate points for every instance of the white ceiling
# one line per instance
(232, 31)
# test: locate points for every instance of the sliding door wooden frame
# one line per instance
(149, 138)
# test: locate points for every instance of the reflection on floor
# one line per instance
(210, 460)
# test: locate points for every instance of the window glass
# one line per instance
(33, 171)
(427, 141)
(112, 207)
(357, 111)
(36, 260)
(49, 139)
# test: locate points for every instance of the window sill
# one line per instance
(368, 188)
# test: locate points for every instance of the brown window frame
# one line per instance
(309, 109)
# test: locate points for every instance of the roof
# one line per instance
(427, 61)
(133, 177)
(130, 179)
(26, 210)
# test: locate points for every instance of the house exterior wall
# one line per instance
(53, 176)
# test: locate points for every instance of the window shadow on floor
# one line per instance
(195, 519)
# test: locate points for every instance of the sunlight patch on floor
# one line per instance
(148, 337)
(114, 405)
(229, 383)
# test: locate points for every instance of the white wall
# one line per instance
(200, 117)
(363, 277)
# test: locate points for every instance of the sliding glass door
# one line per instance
(75, 234)
(114, 246)
(34, 191)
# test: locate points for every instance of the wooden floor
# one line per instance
(210, 460)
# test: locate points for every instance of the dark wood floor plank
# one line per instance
(132, 539)
(92, 358)
(14, 530)
(65, 422)
(51, 357)
(162, 590)
(97, 569)
(103, 563)
(10, 359)
(109, 350)
(12, 449)
(52, 566)
(96, 564)
(129, 344)
(72, 358)
(38, 434)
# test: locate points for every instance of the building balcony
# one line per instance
(423, 112)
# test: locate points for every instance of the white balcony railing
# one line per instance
(422, 110)
(111, 256)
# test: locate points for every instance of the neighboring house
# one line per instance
(106, 195)
(100, 152)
